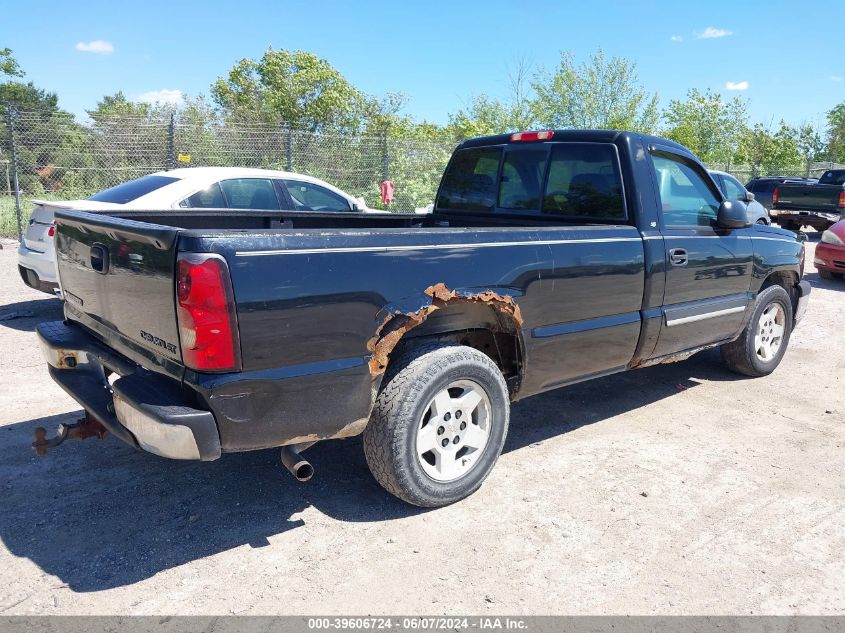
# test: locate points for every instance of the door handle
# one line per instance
(678, 257)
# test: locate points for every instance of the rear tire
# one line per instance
(825, 274)
(438, 425)
(762, 344)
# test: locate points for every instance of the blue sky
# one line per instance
(785, 57)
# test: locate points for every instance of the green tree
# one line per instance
(601, 93)
(8, 64)
(117, 105)
(708, 125)
(835, 150)
(295, 87)
(487, 115)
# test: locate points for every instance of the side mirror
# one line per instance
(749, 197)
(732, 214)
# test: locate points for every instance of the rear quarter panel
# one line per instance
(309, 301)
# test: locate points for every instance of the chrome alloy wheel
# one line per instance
(769, 335)
(453, 431)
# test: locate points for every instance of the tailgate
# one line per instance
(822, 198)
(118, 279)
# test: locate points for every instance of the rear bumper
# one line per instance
(803, 290)
(37, 270)
(145, 410)
(816, 219)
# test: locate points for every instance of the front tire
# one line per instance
(438, 425)
(762, 344)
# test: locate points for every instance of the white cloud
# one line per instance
(836, 77)
(102, 47)
(737, 85)
(677, 38)
(712, 32)
(174, 97)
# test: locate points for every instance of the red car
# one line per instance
(830, 252)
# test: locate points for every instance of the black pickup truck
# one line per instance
(820, 204)
(550, 258)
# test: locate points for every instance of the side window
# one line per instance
(469, 183)
(686, 198)
(733, 190)
(584, 182)
(250, 193)
(209, 198)
(522, 178)
(310, 197)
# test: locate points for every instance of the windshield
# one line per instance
(129, 191)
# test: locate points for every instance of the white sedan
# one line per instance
(194, 187)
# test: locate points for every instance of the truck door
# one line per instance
(708, 268)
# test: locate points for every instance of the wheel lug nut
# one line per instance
(463, 425)
(456, 440)
(440, 430)
(444, 443)
(447, 417)
(458, 414)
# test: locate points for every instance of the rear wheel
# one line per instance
(762, 344)
(762, 221)
(438, 425)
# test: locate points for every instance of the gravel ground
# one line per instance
(679, 489)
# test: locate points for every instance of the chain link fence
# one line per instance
(53, 156)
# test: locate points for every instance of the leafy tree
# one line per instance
(486, 115)
(600, 93)
(8, 64)
(709, 126)
(295, 87)
(25, 97)
(810, 143)
(117, 105)
(836, 133)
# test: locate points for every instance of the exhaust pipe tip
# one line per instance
(300, 468)
(303, 471)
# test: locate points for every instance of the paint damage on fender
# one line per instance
(398, 323)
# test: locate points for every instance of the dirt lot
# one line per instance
(673, 490)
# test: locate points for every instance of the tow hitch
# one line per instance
(84, 428)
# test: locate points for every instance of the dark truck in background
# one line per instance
(819, 205)
(550, 258)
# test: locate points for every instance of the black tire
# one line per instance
(390, 439)
(826, 274)
(762, 221)
(741, 355)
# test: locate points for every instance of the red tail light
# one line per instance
(208, 325)
(841, 204)
(532, 136)
(52, 230)
(775, 196)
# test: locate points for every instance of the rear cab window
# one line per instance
(564, 180)
(132, 190)
(833, 178)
